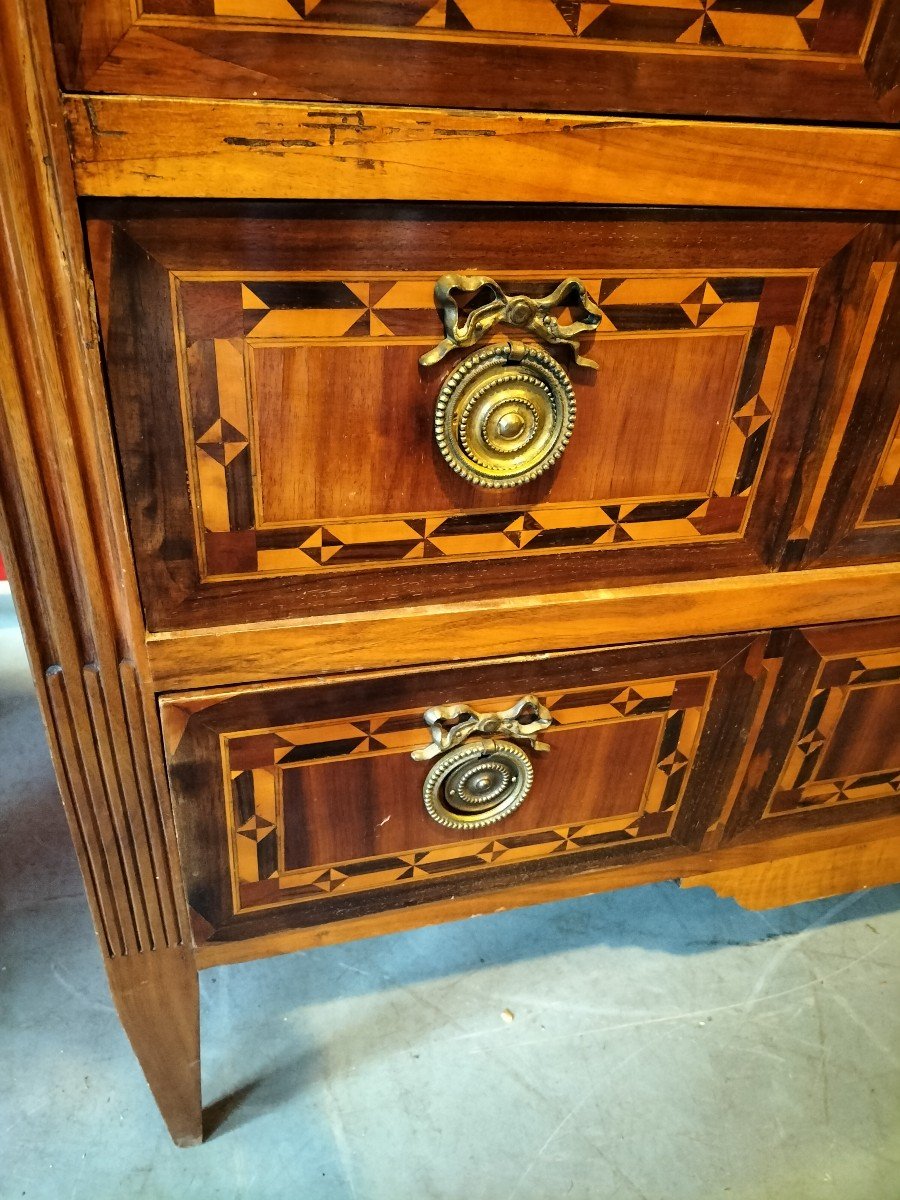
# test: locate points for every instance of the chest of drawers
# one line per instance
(433, 484)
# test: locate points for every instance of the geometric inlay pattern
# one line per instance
(763, 24)
(801, 786)
(230, 317)
(255, 762)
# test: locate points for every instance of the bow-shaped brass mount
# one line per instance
(452, 724)
(523, 312)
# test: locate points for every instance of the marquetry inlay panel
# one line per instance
(794, 25)
(828, 748)
(225, 325)
(854, 509)
(262, 802)
(855, 699)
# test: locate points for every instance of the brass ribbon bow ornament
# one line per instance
(524, 312)
(452, 724)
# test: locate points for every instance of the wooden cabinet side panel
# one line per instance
(62, 528)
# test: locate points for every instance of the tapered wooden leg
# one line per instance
(157, 997)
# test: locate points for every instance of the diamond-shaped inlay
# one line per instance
(329, 880)
(222, 442)
(672, 763)
(322, 545)
(752, 415)
(811, 742)
(492, 852)
(256, 828)
(523, 530)
(626, 701)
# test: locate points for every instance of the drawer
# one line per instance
(283, 449)
(829, 748)
(831, 60)
(302, 803)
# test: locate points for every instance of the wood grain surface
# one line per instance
(274, 424)
(521, 625)
(65, 543)
(841, 844)
(813, 876)
(253, 150)
(269, 852)
(766, 60)
(650, 423)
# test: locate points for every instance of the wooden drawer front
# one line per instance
(829, 748)
(771, 58)
(277, 431)
(322, 814)
(854, 512)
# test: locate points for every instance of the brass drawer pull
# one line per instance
(504, 416)
(526, 313)
(506, 413)
(478, 780)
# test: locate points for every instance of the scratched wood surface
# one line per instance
(526, 624)
(152, 146)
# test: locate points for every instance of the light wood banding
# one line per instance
(257, 150)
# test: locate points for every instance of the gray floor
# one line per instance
(665, 1045)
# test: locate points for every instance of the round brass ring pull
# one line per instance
(505, 415)
(478, 783)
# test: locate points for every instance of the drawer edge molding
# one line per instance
(712, 868)
(526, 625)
(245, 149)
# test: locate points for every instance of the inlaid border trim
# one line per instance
(786, 26)
(216, 378)
(800, 788)
(253, 762)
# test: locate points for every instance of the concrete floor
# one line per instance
(665, 1045)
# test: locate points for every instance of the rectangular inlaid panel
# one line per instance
(829, 750)
(826, 59)
(324, 412)
(299, 387)
(276, 428)
(854, 510)
(278, 813)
